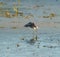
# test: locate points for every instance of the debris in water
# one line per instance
(17, 45)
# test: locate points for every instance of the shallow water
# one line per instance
(14, 37)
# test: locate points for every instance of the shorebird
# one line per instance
(34, 27)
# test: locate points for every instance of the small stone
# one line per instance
(18, 45)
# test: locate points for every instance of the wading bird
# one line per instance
(33, 26)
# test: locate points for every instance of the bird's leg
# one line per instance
(36, 34)
(33, 33)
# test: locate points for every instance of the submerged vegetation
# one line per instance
(51, 15)
(2, 27)
(14, 27)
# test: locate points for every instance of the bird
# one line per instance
(31, 25)
(34, 27)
